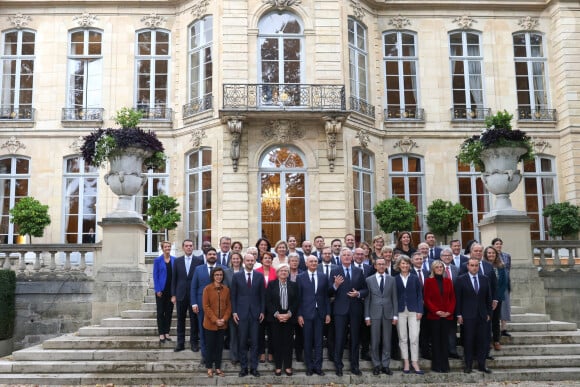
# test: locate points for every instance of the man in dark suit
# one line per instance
(349, 290)
(365, 331)
(313, 313)
(326, 267)
(473, 310)
(458, 258)
(434, 250)
(452, 272)
(319, 244)
(223, 257)
(181, 276)
(336, 246)
(248, 306)
(423, 248)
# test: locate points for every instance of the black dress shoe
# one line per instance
(339, 372)
(386, 370)
(168, 339)
(243, 372)
(278, 373)
(467, 370)
(309, 373)
(288, 373)
(376, 371)
(254, 372)
(485, 370)
(356, 371)
(161, 341)
(195, 346)
(506, 334)
(179, 348)
(319, 372)
(489, 357)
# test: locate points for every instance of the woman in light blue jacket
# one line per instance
(162, 270)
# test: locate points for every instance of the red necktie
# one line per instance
(448, 272)
(249, 282)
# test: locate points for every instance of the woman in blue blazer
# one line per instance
(162, 270)
(410, 304)
(491, 255)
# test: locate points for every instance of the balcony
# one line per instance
(361, 106)
(407, 114)
(82, 114)
(469, 114)
(198, 105)
(10, 113)
(528, 114)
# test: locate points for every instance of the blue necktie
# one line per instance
(475, 285)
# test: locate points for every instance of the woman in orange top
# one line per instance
(217, 310)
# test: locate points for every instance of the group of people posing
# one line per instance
(378, 302)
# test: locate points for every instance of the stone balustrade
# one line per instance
(555, 254)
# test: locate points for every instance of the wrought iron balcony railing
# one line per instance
(82, 114)
(526, 113)
(265, 96)
(362, 106)
(407, 114)
(198, 105)
(156, 113)
(21, 113)
(476, 114)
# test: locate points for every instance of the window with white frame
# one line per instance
(79, 200)
(363, 174)
(407, 181)
(401, 82)
(153, 61)
(156, 183)
(198, 175)
(200, 64)
(474, 197)
(14, 182)
(531, 75)
(540, 190)
(466, 59)
(85, 75)
(17, 74)
(358, 64)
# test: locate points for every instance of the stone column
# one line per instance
(526, 284)
(121, 279)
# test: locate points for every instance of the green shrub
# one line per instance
(564, 219)
(443, 217)
(395, 214)
(7, 303)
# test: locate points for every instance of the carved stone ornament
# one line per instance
(528, 23)
(283, 130)
(282, 4)
(406, 144)
(76, 145)
(19, 20)
(199, 8)
(332, 127)
(85, 20)
(464, 21)
(153, 20)
(399, 22)
(363, 138)
(540, 145)
(235, 125)
(357, 9)
(13, 145)
(197, 137)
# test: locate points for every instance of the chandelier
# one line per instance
(271, 198)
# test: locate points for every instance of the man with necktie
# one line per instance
(422, 273)
(336, 246)
(224, 253)
(319, 244)
(434, 250)
(458, 258)
(326, 267)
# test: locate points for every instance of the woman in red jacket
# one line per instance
(439, 298)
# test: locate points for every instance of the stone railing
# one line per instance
(553, 255)
(48, 258)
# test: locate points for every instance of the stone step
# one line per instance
(535, 338)
(139, 314)
(149, 306)
(517, 310)
(529, 318)
(150, 299)
(549, 326)
(97, 330)
(538, 350)
(38, 353)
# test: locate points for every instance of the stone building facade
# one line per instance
(285, 117)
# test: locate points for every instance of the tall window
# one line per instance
(85, 73)
(466, 75)
(407, 181)
(358, 63)
(156, 184)
(474, 197)
(540, 190)
(283, 194)
(17, 74)
(199, 196)
(281, 48)
(152, 63)
(80, 200)
(14, 180)
(200, 63)
(531, 79)
(400, 57)
(362, 180)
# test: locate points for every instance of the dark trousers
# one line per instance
(440, 344)
(475, 341)
(214, 341)
(343, 325)
(298, 341)
(283, 343)
(184, 308)
(265, 330)
(313, 343)
(424, 338)
(365, 338)
(495, 320)
(329, 334)
(248, 329)
(164, 313)
(452, 341)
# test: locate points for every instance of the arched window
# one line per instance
(14, 181)
(198, 175)
(156, 183)
(17, 74)
(474, 196)
(363, 175)
(80, 200)
(282, 184)
(407, 182)
(540, 183)
(200, 66)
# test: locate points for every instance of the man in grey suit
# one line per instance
(380, 314)
(452, 272)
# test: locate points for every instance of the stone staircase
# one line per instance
(126, 351)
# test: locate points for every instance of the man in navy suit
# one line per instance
(326, 267)
(458, 258)
(313, 313)
(434, 250)
(423, 248)
(349, 289)
(248, 307)
(473, 310)
(365, 331)
(223, 257)
(181, 276)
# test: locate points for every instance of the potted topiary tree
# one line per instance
(162, 214)
(30, 216)
(7, 311)
(443, 217)
(564, 219)
(395, 215)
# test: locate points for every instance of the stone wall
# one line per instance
(562, 294)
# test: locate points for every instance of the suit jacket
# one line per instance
(410, 296)
(462, 259)
(381, 305)
(181, 280)
(471, 305)
(424, 273)
(435, 301)
(313, 303)
(248, 302)
(454, 272)
(320, 269)
(368, 270)
(273, 300)
(219, 258)
(428, 262)
(436, 252)
(488, 272)
(343, 304)
(160, 272)
(199, 281)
